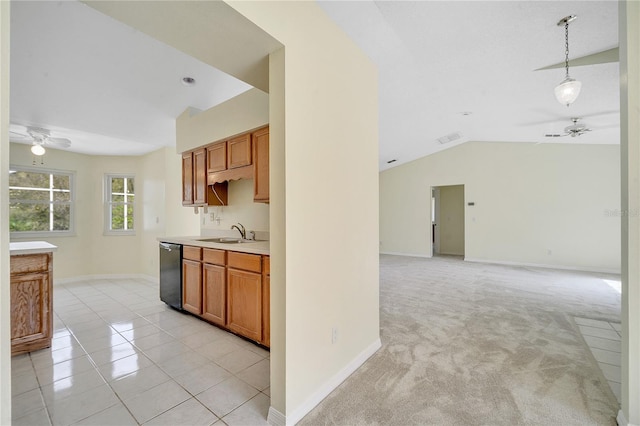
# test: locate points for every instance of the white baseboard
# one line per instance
(622, 420)
(71, 280)
(545, 266)
(330, 385)
(276, 418)
(394, 253)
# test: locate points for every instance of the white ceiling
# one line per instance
(114, 90)
(111, 89)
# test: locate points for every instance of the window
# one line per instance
(40, 202)
(119, 203)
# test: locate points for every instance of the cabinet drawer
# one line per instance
(248, 262)
(213, 256)
(192, 253)
(267, 265)
(27, 263)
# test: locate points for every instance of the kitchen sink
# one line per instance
(228, 240)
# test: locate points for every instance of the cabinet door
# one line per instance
(200, 177)
(30, 312)
(187, 179)
(214, 293)
(261, 165)
(239, 151)
(244, 303)
(192, 286)
(217, 157)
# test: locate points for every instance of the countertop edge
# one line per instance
(260, 247)
(31, 247)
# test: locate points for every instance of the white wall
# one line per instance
(90, 252)
(451, 219)
(546, 204)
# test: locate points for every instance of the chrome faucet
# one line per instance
(241, 230)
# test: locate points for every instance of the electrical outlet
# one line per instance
(334, 335)
(212, 216)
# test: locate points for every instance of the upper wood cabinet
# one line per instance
(217, 157)
(200, 187)
(211, 167)
(239, 151)
(187, 179)
(195, 188)
(261, 165)
(31, 304)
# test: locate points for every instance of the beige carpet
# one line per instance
(474, 344)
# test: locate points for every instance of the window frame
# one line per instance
(108, 204)
(71, 232)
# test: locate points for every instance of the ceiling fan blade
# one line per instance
(58, 142)
(19, 137)
(604, 57)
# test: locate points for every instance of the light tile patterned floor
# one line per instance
(603, 338)
(120, 356)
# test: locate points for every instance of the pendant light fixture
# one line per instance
(569, 89)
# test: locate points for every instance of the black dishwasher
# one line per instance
(171, 274)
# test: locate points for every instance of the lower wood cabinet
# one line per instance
(244, 303)
(215, 294)
(31, 302)
(228, 289)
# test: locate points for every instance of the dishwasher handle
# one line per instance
(168, 247)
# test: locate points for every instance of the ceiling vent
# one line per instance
(449, 138)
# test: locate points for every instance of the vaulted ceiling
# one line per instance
(448, 69)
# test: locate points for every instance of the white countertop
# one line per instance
(258, 247)
(31, 247)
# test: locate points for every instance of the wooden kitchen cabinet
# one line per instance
(187, 179)
(31, 302)
(244, 295)
(195, 188)
(217, 157)
(239, 151)
(261, 165)
(192, 279)
(214, 287)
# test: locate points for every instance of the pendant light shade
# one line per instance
(567, 91)
(37, 149)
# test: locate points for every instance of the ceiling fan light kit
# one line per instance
(37, 149)
(569, 89)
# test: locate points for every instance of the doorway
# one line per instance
(447, 220)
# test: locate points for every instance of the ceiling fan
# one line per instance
(574, 130)
(39, 138)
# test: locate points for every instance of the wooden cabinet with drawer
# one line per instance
(214, 288)
(31, 302)
(192, 279)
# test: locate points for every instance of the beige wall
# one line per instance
(546, 204)
(244, 112)
(5, 318)
(330, 194)
(451, 219)
(241, 209)
(630, 145)
(90, 252)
